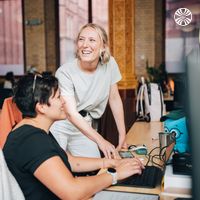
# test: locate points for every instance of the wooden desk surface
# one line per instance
(145, 133)
(142, 133)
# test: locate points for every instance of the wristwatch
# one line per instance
(113, 172)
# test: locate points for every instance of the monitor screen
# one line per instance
(193, 94)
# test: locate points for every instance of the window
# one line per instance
(11, 37)
(73, 14)
(100, 13)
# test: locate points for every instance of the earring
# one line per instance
(101, 52)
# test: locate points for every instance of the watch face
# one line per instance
(111, 170)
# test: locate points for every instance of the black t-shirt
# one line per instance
(26, 148)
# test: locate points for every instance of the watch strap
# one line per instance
(114, 177)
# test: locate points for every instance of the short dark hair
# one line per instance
(32, 89)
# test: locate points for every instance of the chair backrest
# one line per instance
(9, 188)
(10, 116)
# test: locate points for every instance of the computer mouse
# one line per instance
(138, 149)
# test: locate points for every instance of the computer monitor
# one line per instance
(179, 92)
(193, 94)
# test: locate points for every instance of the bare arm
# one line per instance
(116, 106)
(75, 118)
(55, 176)
(82, 164)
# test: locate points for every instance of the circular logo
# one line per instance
(183, 16)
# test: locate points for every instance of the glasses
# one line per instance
(34, 81)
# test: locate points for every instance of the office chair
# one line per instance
(9, 117)
(9, 188)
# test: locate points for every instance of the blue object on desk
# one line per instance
(175, 122)
(141, 151)
(138, 149)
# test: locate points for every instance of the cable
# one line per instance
(162, 156)
(153, 150)
(149, 154)
(155, 163)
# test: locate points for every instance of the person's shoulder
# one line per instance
(7, 85)
(67, 67)
(112, 60)
(28, 131)
(112, 63)
(25, 135)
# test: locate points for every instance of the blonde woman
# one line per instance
(87, 84)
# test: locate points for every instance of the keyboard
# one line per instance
(150, 177)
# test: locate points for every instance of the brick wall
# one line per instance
(148, 34)
(52, 34)
(40, 40)
(34, 35)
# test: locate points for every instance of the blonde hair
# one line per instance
(104, 56)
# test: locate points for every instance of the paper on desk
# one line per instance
(110, 195)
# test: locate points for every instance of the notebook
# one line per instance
(110, 195)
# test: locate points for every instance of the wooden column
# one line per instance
(122, 41)
(34, 34)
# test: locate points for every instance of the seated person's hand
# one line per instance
(108, 149)
(128, 167)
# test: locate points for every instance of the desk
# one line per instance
(146, 133)
(142, 133)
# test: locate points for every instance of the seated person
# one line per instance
(41, 167)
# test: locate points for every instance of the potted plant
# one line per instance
(158, 75)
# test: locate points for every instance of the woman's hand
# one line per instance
(128, 167)
(122, 142)
(108, 149)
